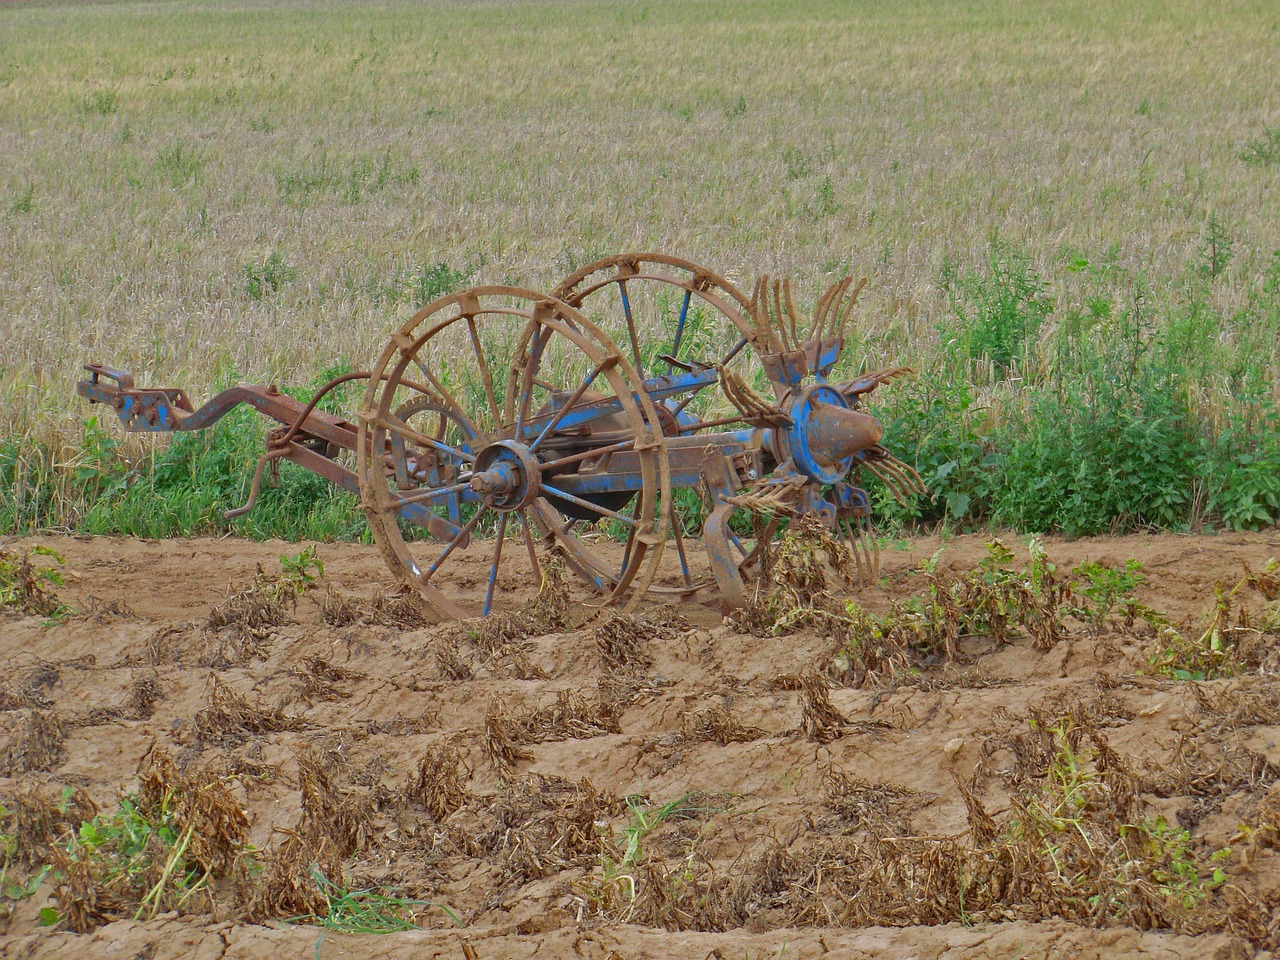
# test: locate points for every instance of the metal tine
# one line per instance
(906, 474)
(776, 319)
(820, 311)
(889, 480)
(848, 538)
(826, 306)
(847, 309)
(855, 545)
(873, 560)
(872, 546)
(760, 314)
(792, 313)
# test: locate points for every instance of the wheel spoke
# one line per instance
(398, 426)
(528, 542)
(493, 567)
(737, 348)
(684, 560)
(603, 511)
(631, 326)
(684, 313)
(462, 535)
(697, 390)
(588, 454)
(568, 404)
(401, 502)
(445, 395)
(484, 373)
(532, 361)
(626, 554)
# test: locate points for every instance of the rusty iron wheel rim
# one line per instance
(454, 337)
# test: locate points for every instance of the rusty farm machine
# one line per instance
(584, 424)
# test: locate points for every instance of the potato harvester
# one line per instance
(589, 423)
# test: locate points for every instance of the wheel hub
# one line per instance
(506, 476)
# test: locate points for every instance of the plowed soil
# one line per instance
(568, 741)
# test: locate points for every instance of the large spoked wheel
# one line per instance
(499, 422)
(671, 316)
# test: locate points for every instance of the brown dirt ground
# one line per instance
(144, 606)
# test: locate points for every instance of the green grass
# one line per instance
(374, 910)
(1068, 223)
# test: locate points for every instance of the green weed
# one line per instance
(179, 163)
(29, 588)
(1235, 636)
(265, 279)
(1216, 249)
(1104, 591)
(372, 910)
(100, 102)
(1264, 149)
(999, 314)
(22, 201)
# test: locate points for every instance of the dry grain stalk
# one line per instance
(1075, 843)
(320, 679)
(538, 826)
(230, 718)
(178, 843)
(450, 660)
(440, 782)
(331, 811)
(503, 752)
(623, 640)
(820, 721)
(1236, 636)
(882, 809)
(571, 717)
(144, 692)
(287, 886)
(37, 817)
(399, 610)
(34, 741)
(505, 637)
(719, 725)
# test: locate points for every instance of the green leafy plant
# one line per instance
(101, 102)
(265, 279)
(1216, 249)
(21, 202)
(1104, 591)
(1234, 636)
(999, 313)
(619, 873)
(299, 573)
(29, 588)
(1263, 150)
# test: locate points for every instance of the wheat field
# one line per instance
(204, 192)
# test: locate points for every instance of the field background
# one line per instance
(1069, 220)
(1046, 199)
